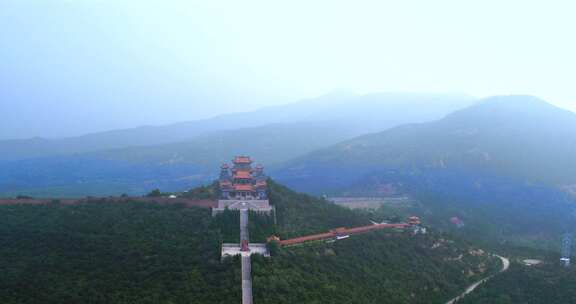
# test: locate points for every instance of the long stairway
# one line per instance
(246, 280)
(246, 263)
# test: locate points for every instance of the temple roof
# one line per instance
(242, 160)
(243, 188)
(242, 174)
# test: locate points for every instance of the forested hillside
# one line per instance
(146, 253)
(113, 253)
(378, 267)
(490, 209)
(299, 214)
(541, 284)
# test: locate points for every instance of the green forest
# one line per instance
(101, 252)
(548, 283)
(378, 267)
(113, 253)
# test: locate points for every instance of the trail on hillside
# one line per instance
(471, 288)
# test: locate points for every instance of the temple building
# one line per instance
(242, 187)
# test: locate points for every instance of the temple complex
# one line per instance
(242, 187)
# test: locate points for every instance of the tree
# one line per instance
(154, 193)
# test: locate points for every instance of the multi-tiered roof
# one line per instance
(242, 181)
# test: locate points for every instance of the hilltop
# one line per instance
(146, 252)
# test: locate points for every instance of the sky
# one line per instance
(69, 67)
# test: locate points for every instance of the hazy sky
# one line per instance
(75, 66)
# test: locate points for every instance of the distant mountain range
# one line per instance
(169, 166)
(499, 166)
(182, 155)
(512, 151)
(518, 137)
(359, 114)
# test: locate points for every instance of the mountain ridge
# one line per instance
(336, 108)
(510, 138)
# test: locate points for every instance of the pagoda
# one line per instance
(242, 187)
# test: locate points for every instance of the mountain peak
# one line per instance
(511, 109)
(514, 136)
(516, 101)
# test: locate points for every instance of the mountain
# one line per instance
(501, 166)
(359, 113)
(127, 161)
(269, 144)
(139, 252)
(169, 166)
(520, 137)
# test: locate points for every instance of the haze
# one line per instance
(72, 67)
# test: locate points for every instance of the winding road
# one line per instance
(505, 266)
